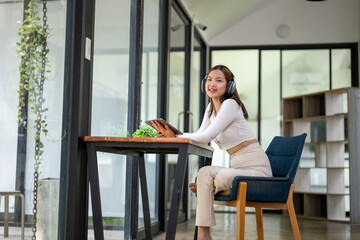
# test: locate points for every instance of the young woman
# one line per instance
(225, 123)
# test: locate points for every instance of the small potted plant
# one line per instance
(145, 131)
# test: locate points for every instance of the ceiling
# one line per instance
(219, 15)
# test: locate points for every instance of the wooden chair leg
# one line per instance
(240, 211)
(291, 210)
(259, 223)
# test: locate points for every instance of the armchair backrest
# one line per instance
(284, 154)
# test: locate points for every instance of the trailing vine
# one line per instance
(33, 50)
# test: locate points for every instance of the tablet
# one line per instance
(163, 123)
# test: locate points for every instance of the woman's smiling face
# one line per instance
(215, 84)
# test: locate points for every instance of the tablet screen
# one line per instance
(163, 123)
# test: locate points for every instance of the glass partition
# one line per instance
(195, 116)
(149, 104)
(176, 90)
(110, 107)
(305, 71)
(176, 82)
(341, 68)
(10, 14)
(284, 73)
(270, 96)
(17, 150)
(195, 92)
(244, 64)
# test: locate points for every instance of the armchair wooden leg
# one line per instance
(240, 211)
(259, 223)
(291, 210)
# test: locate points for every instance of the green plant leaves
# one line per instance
(145, 131)
(32, 49)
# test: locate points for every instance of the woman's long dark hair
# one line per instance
(229, 76)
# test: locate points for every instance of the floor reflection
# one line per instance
(276, 227)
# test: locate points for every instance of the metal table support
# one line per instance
(137, 147)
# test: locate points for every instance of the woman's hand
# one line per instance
(163, 132)
(193, 187)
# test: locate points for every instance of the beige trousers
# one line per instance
(248, 161)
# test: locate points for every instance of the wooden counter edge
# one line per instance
(146, 140)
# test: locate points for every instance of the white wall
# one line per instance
(331, 21)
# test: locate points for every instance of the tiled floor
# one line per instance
(276, 227)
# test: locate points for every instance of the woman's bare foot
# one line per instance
(204, 233)
(192, 187)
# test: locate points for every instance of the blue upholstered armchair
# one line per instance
(262, 192)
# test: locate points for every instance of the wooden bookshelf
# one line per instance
(327, 183)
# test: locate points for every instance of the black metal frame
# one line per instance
(203, 70)
(138, 149)
(288, 47)
(187, 62)
(76, 121)
(164, 48)
(135, 64)
(163, 69)
(77, 111)
(77, 105)
(259, 97)
(132, 232)
(134, 116)
(330, 72)
(354, 63)
(187, 75)
(352, 46)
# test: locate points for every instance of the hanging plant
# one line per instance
(33, 50)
